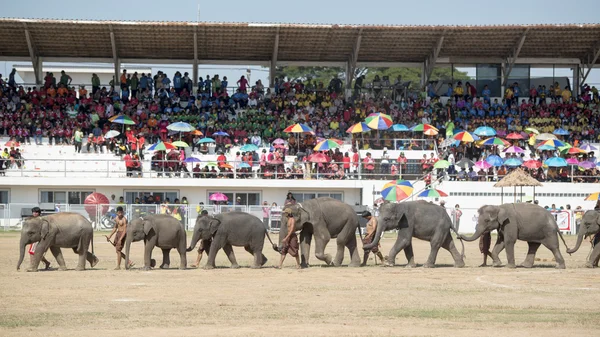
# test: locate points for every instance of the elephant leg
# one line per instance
(533, 247)
(258, 257)
(57, 253)
(82, 258)
(166, 258)
(92, 259)
(498, 247)
(553, 247)
(435, 244)
(212, 254)
(352, 246)
(182, 257)
(410, 256)
(510, 254)
(403, 241)
(594, 257)
(230, 255)
(305, 242)
(320, 244)
(449, 246)
(148, 247)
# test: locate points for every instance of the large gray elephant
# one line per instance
(326, 219)
(523, 221)
(590, 226)
(419, 219)
(230, 229)
(159, 230)
(56, 231)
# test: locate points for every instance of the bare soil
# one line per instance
(318, 301)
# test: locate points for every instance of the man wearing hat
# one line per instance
(36, 212)
(290, 242)
(371, 232)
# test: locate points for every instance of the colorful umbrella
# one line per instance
(532, 164)
(192, 160)
(424, 127)
(572, 161)
(249, 148)
(555, 162)
(464, 136)
(553, 142)
(432, 193)
(197, 133)
(483, 165)
(441, 164)
(588, 165)
(279, 141)
(485, 131)
(359, 127)
(532, 130)
(180, 127)
(180, 143)
(206, 140)
(513, 162)
(494, 160)
(221, 133)
(572, 150)
(593, 197)
(400, 127)
(397, 190)
(561, 132)
(12, 143)
(496, 141)
(545, 136)
(379, 121)
(218, 197)
(92, 202)
(430, 132)
(111, 134)
(122, 119)
(546, 148)
(514, 136)
(161, 146)
(298, 128)
(318, 158)
(465, 163)
(514, 149)
(588, 148)
(327, 144)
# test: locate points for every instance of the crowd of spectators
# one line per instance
(63, 114)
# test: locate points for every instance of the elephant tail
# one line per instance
(563, 239)
(92, 243)
(462, 252)
(271, 241)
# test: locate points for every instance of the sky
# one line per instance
(376, 12)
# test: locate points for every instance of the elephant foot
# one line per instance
(79, 268)
(428, 265)
(264, 261)
(208, 267)
(589, 265)
(410, 266)
(62, 268)
(164, 266)
(459, 264)
(146, 268)
(152, 263)
(31, 270)
(497, 264)
(388, 264)
(255, 267)
(182, 268)
(560, 266)
(526, 265)
(47, 266)
(511, 266)
(117, 268)
(94, 262)
(235, 266)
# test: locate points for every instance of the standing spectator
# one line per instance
(134, 85)
(456, 214)
(77, 139)
(369, 165)
(65, 79)
(95, 83)
(266, 211)
(242, 84)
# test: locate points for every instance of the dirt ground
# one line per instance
(318, 301)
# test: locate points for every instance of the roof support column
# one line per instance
(587, 65)
(576, 81)
(429, 63)
(351, 64)
(36, 61)
(510, 61)
(273, 66)
(116, 62)
(195, 65)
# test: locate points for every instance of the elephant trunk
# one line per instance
(380, 229)
(23, 244)
(474, 237)
(128, 241)
(195, 239)
(578, 244)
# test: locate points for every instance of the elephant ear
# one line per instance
(148, 226)
(503, 217)
(213, 226)
(45, 228)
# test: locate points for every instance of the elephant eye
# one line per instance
(31, 233)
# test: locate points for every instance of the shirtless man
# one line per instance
(121, 230)
(290, 242)
(371, 232)
(35, 212)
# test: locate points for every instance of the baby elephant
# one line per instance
(231, 229)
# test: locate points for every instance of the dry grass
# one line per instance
(319, 301)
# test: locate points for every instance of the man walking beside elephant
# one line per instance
(121, 230)
(371, 231)
(35, 212)
(290, 242)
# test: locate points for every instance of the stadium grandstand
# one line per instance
(146, 134)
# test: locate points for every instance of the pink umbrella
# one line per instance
(218, 197)
(318, 158)
(482, 164)
(280, 146)
(279, 141)
(276, 162)
(514, 149)
(572, 161)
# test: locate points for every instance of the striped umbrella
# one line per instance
(593, 197)
(588, 148)
(464, 136)
(432, 193)
(514, 149)
(430, 132)
(553, 142)
(180, 143)
(122, 119)
(485, 131)
(424, 127)
(572, 150)
(379, 121)
(496, 141)
(327, 144)
(397, 190)
(298, 128)
(161, 146)
(359, 127)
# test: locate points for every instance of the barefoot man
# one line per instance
(121, 230)
(290, 242)
(371, 232)
(35, 212)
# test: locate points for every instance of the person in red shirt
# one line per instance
(128, 163)
(369, 165)
(355, 161)
(221, 160)
(346, 161)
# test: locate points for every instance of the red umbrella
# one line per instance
(92, 201)
(12, 143)
(514, 136)
(318, 158)
(532, 164)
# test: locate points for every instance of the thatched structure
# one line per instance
(520, 178)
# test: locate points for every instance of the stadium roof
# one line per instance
(259, 43)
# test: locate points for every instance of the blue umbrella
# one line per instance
(400, 127)
(513, 162)
(243, 165)
(556, 162)
(485, 131)
(561, 132)
(192, 160)
(249, 148)
(206, 140)
(494, 160)
(546, 147)
(221, 133)
(181, 127)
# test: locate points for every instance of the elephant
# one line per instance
(521, 221)
(56, 231)
(157, 230)
(325, 218)
(590, 225)
(231, 229)
(419, 219)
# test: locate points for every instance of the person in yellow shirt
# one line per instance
(334, 125)
(566, 95)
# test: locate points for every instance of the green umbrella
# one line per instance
(180, 143)
(441, 164)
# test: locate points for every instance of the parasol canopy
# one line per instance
(545, 136)
(465, 163)
(180, 127)
(513, 162)
(532, 164)
(432, 193)
(464, 136)
(496, 141)
(12, 143)
(218, 197)
(278, 141)
(249, 148)
(494, 160)
(180, 143)
(318, 158)
(122, 119)
(514, 136)
(161, 146)
(424, 127)
(397, 190)
(206, 140)
(191, 160)
(561, 132)
(327, 144)
(93, 200)
(514, 149)
(483, 165)
(379, 121)
(555, 162)
(298, 128)
(553, 142)
(485, 131)
(111, 134)
(588, 148)
(441, 164)
(359, 127)
(400, 128)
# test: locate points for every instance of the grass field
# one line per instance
(319, 301)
